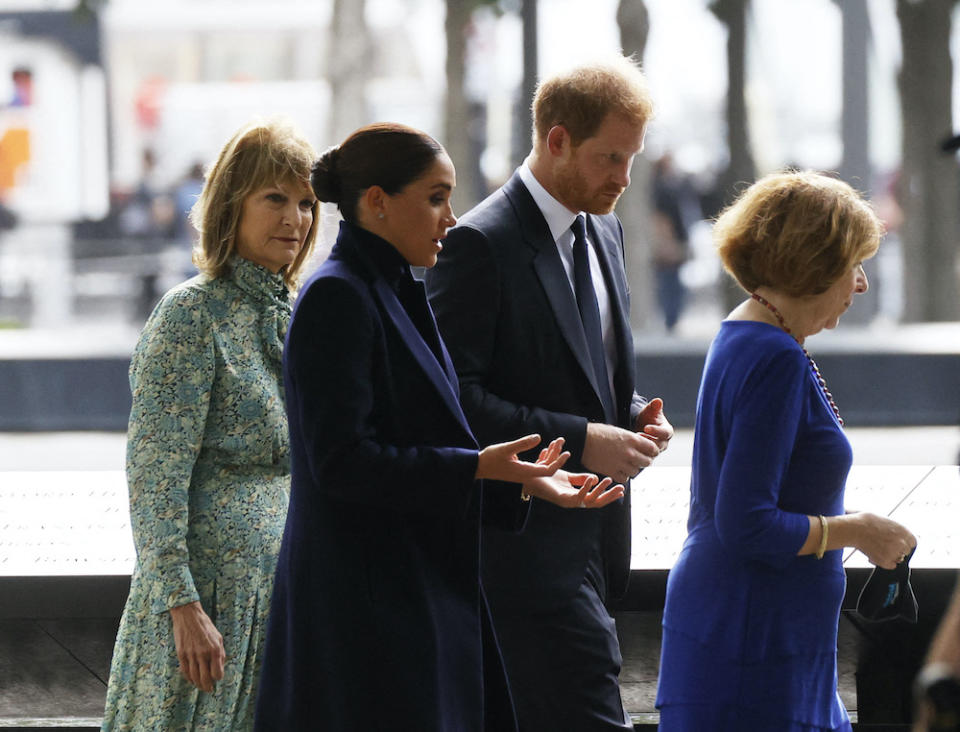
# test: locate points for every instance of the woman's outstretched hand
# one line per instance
(575, 490)
(500, 461)
(571, 490)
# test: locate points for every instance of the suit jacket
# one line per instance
(507, 312)
(377, 595)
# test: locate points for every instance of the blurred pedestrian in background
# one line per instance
(670, 246)
(938, 684)
(185, 196)
(208, 451)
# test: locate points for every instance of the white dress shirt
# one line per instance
(559, 218)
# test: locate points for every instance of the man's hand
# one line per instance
(653, 423)
(615, 452)
(620, 453)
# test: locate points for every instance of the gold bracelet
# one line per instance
(824, 533)
(524, 496)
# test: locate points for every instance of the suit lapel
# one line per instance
(439, 376)
(610, 256)
(553, 277)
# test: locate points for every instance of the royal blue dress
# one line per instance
(750, 628)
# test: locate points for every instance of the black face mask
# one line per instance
(887, 595)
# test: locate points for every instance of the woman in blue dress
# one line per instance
(753, 602)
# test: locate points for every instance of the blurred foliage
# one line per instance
(89, 9)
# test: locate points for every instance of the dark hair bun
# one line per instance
(325, 176)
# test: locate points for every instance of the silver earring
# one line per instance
(379, 215)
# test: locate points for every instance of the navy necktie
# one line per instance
(590, 316)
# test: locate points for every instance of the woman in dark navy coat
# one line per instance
(378, 618)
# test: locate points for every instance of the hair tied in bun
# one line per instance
(325, 177)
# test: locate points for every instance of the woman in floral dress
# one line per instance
(208, 451)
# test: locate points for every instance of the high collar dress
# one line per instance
(208, 471)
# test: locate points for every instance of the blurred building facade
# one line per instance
(89, 93)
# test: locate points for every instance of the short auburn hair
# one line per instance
(796, 232)
(581, 98)
(258, 155)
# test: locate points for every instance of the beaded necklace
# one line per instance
(813, 364)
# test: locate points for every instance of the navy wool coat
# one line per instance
(378, 618)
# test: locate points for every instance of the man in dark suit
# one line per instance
(534, 309)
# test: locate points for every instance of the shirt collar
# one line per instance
(559, 218)
(258, 281)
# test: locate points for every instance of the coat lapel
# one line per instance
(439, 376)
(443, 377)
(447, 361)
(552, 275)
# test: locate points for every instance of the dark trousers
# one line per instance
(563, 664)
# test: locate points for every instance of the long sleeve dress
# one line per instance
(749, 627)
(208, 471)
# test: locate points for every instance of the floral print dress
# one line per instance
(208, 472)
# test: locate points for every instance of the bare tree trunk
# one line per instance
(460, 123)
(928, 181)
(855, 123)
(634, 208)
(523, 120)
(347, 69)
(740, 170)
(855, 131)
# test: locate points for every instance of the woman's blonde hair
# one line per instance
(796, 232)
(260, 154)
